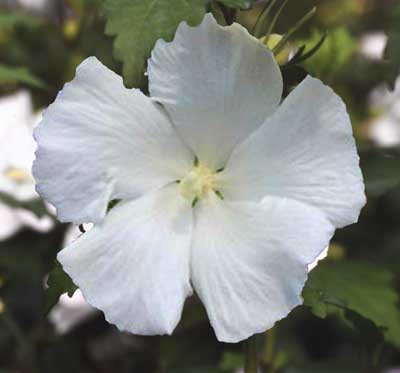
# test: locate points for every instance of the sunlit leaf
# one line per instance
(359, 287)
(332, 55)
(138, 24)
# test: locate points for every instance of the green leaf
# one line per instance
(380, 169)
(9, 20)
(231, 361)
(35, 205)
(138, 24)
(335, 52)
(392, 51)
(302, 56)
(363, 288)
(58, 283)
(11, 75)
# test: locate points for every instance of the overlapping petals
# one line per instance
(250, 261)
(134, 266)
(306, 152)
(217, 83)
(290, 177)
(100, 141)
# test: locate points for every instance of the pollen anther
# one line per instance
(197, 183)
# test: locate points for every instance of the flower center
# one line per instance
(17, 175)
(197, 183)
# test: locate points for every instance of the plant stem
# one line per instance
(251, 355)
(229, 13)
(269, 351)
(269, 345)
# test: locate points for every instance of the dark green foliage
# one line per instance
(380, 169)
(58, 283)
(360, 287)
(138, 24)
(392, 51)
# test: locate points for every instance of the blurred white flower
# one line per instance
(220, 188)
(385, 128)
(70, 312)
(9, 222)
(36, 5)
(16, 156)
(372, 45)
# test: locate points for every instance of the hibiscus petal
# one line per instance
(217, 83)
(305, 151)
(134, 265)
(101, 141)
(249, 261)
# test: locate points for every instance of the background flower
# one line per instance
(17, 148)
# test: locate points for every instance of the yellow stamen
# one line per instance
(197, 183)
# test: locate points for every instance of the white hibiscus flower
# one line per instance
(384, 130)
(372, 45)
(16, 156)
(220, 190)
